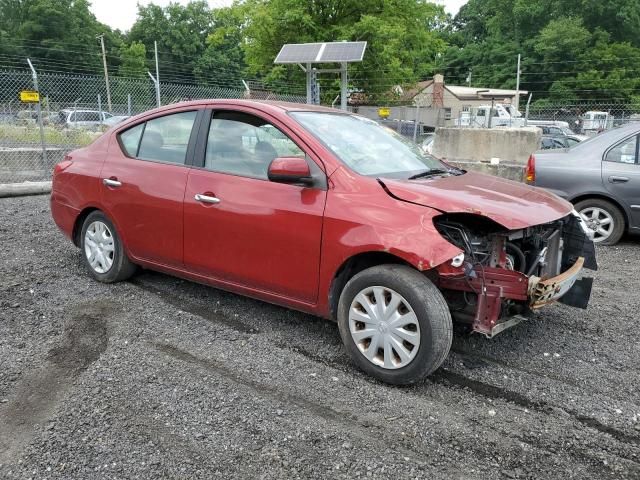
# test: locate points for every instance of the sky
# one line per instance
(122, 13)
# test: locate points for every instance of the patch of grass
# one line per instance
(29, 134)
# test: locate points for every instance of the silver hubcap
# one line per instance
(384, 327)
(598, 220)
(99, 247)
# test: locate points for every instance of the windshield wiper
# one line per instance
(428, 173)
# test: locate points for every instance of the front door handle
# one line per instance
(616, 179)
(206, 198)
(110, 182)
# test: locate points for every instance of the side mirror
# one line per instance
(289, 170)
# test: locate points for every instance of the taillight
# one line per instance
(62, 165)
(530, 172)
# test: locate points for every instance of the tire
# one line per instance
(431, 320)
(111, 264)
(608, 211)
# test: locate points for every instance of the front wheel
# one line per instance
(394, 323)
(605, 219)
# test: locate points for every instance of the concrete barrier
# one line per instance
(497, 151)
(24, 188)
(511, 145)
(511, 171)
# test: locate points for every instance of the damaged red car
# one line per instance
(325, 212)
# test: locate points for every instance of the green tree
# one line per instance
(59, 34)
(402, 39)
(181, 33)
(133, 60)
(222, 61)
(578, 50)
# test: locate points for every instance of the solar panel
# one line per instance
(343, 52)
(298, 53)
(321, 52)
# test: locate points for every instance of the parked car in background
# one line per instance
(112, 120)
(326, 212)
(559, 141)
(601, 176)
(87, 119)
(561, 131)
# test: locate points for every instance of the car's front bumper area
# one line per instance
(497, 298)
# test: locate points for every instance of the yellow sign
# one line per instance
(29, 96)
(384, 112)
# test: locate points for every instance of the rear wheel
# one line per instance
(394, 323)
(605, 219)
(102, 249)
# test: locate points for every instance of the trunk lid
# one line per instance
(511, 204)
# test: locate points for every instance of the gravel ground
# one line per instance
(163, 378)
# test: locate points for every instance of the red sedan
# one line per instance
(325, 212)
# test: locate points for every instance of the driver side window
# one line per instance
(245, 145)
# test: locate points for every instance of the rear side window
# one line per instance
(625, 152)
(130, 139)
(163, 139)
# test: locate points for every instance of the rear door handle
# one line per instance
(110, 182)
(206, 198)
(616, 179)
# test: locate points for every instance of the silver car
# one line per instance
(600, 176)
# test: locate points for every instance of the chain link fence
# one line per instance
(585, 118)
(75, 110)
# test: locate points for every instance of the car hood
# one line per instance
(511, 204)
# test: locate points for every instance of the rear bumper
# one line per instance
(63, 215)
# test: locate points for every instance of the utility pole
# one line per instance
(469, 78)
(106, 72)
(517, 102)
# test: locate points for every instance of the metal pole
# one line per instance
(155, 45)
(526, 115)
(247, 90)
(308, 72)
(106, 72)
(155, 83)
(491, 111)
(415, 124)
(343, 86)
(517, 102)
(39, 112)
(129, 104)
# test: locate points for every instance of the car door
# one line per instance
(621, 174)
(258, 234)
(143, 183)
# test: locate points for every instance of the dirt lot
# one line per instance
(162, 378)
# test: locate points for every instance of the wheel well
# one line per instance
(77, 226)
(351, 267)
(606, 199)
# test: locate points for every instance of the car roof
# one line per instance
(261, 104)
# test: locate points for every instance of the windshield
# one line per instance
(367, 147)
